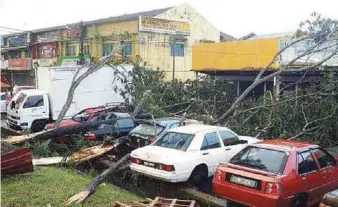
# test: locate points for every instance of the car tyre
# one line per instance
(299, 201)
(38, 126)
(198, 175)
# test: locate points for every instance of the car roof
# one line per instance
(196, 128)
(32, 92)
(121, 115)
(283, 144)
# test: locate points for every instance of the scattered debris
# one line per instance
(17, 161)
(90, 189)
(158, 202)
(89, 153)
(47, 161)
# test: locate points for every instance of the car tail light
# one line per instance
(90, 136)
(273, 188)
(136, 161)
(152, 139)
(218, 175)
(168, 168)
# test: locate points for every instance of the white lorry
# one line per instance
(33, 109)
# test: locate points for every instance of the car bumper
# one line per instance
(155, 173)
(247, 196)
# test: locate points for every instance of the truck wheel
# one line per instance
(38, 126)
(198, 175)
(300, 200)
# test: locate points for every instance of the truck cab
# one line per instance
(29, 110)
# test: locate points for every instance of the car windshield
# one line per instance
(147, 130)
(175, 140)
(81, 117)
(262, 159)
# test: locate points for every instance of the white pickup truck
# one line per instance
(33, 109)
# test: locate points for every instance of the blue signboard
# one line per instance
(17, 41)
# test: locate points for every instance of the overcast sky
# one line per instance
(235, 17)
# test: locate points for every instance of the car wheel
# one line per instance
(38, 126)
(299, 201)
(198, 175)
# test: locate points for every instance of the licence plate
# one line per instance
(243, 181)
(149, 164)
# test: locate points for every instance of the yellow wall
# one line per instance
(237, 55)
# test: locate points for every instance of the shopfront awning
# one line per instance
(5, 49)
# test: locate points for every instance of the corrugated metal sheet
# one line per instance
(16, 162)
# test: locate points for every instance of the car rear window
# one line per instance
(260, 158)
(147, 130)
(175, 140)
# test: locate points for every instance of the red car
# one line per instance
(277, 173)
(90, 114)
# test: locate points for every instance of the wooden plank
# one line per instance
(173, 202)
(152, 204)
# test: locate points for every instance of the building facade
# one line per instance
(161, 38)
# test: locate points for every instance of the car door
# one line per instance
(308, 177)
(230, 141)
(34, 106)
(211, 151)
(328, 169)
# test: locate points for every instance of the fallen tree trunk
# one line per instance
(58, 132)
(90, 189)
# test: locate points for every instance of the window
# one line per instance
(324, 159)
(262, 159)
(47, 51)
(228, 137)
(126, 49)
(107, 48)
(125, 123)
(33, 101)
(177, 49)
(210, 141)
(27, 53)
(81, 117)
(3, 97)
(86, 49)
(71, 51)
(147, 130)
(99, 116)
(306, 163)
(14, 54)
(175, 140)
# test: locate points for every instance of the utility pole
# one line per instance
(174, 55)
(81, 43)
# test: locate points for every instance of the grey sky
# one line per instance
(236, 17)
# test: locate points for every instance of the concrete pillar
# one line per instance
(238, 88)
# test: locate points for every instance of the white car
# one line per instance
(188, 153)
(3, 102)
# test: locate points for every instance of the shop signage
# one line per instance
(149, 24)
(47, 37)
(21, 40)
(74, 31)
(19, 63)
(46, 62)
